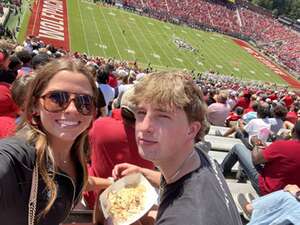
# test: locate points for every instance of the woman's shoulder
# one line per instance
(19, 150)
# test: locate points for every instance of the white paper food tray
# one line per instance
(132, 179)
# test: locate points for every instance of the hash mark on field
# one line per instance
(219, 66)
(112, 14)
(102, 46)
(179, 59)
(130, 51)
(253, 72)
(89, 8)
(156, 56)
(199, 63)
(236, 69)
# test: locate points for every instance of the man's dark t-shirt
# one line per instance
(201, 197)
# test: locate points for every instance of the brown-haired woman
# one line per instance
(43, 167)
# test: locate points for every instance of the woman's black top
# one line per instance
(17, 159)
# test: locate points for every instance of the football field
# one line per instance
(111, 32)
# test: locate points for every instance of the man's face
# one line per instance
(162, 135)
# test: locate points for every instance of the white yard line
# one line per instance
(123, 36)
(154, 39)
(146, 40)
(112, 36)
(98, 32)
(138, 43)
(84, 34)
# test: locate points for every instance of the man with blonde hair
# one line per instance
(170, 117)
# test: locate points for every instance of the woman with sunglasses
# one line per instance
(43, 167)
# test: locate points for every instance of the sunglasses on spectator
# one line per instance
(58, 101)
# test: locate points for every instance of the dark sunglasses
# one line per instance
(57, 101)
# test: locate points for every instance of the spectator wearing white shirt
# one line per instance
(107, 91)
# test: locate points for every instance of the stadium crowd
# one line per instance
(255, 113)
(275, 39)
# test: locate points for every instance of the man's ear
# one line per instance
(194, 128)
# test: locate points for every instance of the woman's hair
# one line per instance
(171, 90)
(33, 129)
(19, 89)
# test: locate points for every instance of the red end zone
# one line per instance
(49, 21)
(276, 69)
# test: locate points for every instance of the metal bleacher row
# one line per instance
(220, 146)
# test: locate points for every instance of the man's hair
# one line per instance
(102, 76)
(254, 106)
(280, 111)
(263, 110)
(24, 56)
(171, 90)
(222, 97)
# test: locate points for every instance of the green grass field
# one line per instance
(98, 31)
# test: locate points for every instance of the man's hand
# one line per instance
(293, 189)
(124, 169)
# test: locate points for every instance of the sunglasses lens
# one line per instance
(84, 104)
(56, 101)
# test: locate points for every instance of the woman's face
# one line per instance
(67, 124)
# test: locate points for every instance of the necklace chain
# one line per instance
(181, 166)
(163, 182)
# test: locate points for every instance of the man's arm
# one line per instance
(257, 155)
(97, 183)
(124, 169)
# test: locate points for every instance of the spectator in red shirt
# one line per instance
(289, 99)
(8, 106)
(17, 98)
(8, 126)
(292, 114)
(281, 162)
(234, 116)
(243, 101)
(112, 80)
